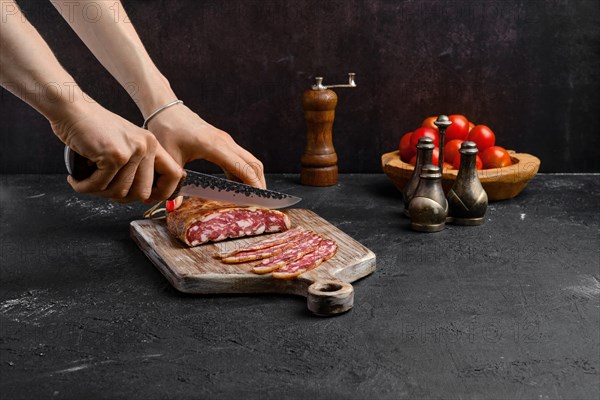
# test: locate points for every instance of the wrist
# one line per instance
(151, 95)
(68, 111)
(65, 100)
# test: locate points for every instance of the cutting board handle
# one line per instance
(330, 297)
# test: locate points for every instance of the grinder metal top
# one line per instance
(319, 83)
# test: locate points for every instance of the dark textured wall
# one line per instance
(529, 69)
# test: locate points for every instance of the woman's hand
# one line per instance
(186, 137)
(126, 156)
(182, 133)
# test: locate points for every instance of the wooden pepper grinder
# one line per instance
(319, 161)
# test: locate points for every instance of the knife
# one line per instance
(196, 184)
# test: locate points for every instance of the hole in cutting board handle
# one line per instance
(328, 287)
(330, 297)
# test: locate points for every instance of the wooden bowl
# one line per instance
(499, 183)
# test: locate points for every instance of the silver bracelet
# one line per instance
(155, 113)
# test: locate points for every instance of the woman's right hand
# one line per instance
(126, 156)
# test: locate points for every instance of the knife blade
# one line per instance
(197, 184)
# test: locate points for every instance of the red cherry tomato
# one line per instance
(428, 123)
(451, 150)
(482, 136)
(435, 156)
(424, 132)
(406, 150)
(456, 162)
(495, 157)
(471, 125)
(459, 128)
(478, 162)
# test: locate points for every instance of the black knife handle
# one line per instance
(81, 168)
(78, 166)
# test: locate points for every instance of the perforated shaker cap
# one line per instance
(468, 148)
(425, 143)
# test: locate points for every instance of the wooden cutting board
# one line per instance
(195, 270)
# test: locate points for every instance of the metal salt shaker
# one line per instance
(424, 153)
(467, 200)
(429, 208)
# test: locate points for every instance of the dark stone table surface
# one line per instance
(509, 309)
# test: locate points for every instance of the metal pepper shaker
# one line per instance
(424, 153)
(467, 200)
(429, 208)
